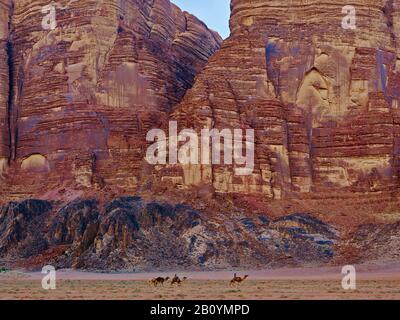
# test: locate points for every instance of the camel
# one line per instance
(177, 280)
(156, 281)
(237, 280)
(152, 282)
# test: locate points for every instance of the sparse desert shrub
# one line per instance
(4, 270)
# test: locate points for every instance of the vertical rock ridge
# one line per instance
(5, 88)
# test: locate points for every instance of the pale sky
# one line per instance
(215, 13)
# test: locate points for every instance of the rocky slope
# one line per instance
(130, 233)
(84, 95)
(376, 242)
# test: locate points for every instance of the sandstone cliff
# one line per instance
(323, 100)
(5, 6)
(84, 95)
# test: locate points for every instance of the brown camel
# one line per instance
(237, 280)
(156, 281)
(177, 280)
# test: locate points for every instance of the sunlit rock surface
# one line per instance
(323, 100)
(84, 95)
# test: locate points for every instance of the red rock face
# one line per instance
(4, 80)
(323, 100)
(85, 94)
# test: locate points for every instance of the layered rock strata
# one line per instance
(323, 100)
(5, 12)
(85, 93)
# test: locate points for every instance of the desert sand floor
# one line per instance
(307, 283)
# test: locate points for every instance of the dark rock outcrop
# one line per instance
(129, 233)
(376, 243)
(20, 225)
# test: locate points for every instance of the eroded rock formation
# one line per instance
(323, 100)
(131, 234)
(85, 94)
(5, 6)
